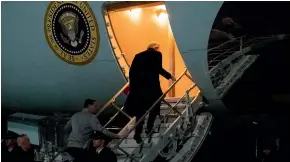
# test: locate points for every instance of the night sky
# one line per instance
(233, 136)
(258, 18)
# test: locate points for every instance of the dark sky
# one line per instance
(267, 76)
(258, 18)
(251, 94)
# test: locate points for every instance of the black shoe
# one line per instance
(138, 139)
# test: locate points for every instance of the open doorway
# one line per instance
(132, 26)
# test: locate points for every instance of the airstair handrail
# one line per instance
(99, 112)
(244, 37)
(188, 76)
(244, 41)
(161, 98)
(125, 59)
(125, 86)
(229, 41)
(220, 51)
(173, 107)
(113, 99)
(164, 117)
(152, 107)
(226, 51)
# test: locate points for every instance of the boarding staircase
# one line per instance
(228, 61)
(222, 51)
(177, 126)
(180, 131)
(177, 117)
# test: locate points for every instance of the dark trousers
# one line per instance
(150, 121)
(77, 153)
(138, 102)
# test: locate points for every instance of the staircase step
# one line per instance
(128, 160)
(172, 99)
(178, 106)
(168, 119)
(130, 145)
(172, 112)
(171, 115)
(134, 148)
(133, 144)
(162, 125)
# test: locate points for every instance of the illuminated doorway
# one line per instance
(132, 26)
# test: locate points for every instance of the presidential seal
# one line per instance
(71, 31)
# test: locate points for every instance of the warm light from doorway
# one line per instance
(162, 7)
(162, 16)
(135, 13)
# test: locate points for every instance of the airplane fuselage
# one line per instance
(41, 74)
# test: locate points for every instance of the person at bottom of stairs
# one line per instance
(81, 125)
(98, 150)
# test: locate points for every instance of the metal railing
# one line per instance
(113, 99)
(240, 43)
(172, 108)
(111, 102)
(117, 51)
(228, 48)
(125, 59)
(227, 70)
(120, 110)
(222, 51)
(161, 98)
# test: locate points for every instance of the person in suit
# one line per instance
(81, 125)
(99, 151)
(145, 86)
(9, 146)
(24, 151)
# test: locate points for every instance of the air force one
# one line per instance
(57, 54)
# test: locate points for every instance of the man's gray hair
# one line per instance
(153, 45)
